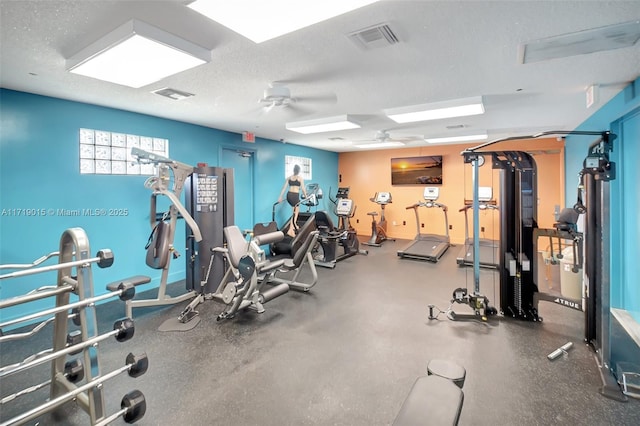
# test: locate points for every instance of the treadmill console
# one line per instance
(431, 193)
(382, 198)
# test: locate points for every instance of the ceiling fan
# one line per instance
(384, 137)
(278, 95)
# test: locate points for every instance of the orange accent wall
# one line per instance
(369, 172)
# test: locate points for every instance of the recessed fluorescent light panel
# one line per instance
(379, 145)
(580, 43)
(329, 124)
(468, 138)
(137, 54)
(264, 20)
(437, 110)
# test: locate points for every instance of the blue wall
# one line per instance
(39, 169)
(625, 196)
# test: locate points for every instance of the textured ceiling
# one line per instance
(447, 50)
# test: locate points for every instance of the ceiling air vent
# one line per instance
(176, 95)
(374, 37)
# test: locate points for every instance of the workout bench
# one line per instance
(435, 399)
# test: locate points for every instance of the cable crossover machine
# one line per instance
(519, 293)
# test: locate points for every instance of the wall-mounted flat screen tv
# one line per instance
(425, 170)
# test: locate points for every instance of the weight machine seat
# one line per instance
(288, 246)
(325, 225)
(237, 245)
(324, 222)
(448, 370)
(433, 400)
(373, 213)
(291, 262)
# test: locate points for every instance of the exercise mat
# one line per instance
(173, 324)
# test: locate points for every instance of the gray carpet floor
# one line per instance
(346, 353)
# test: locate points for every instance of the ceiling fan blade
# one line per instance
(298, 109)
(318, 99)
(406, 139)
(313, 77)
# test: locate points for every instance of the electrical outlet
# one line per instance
(422, 225)
(450, 227)
(357, 220)
(404, 222)
(482, 229)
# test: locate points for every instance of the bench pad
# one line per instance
(433, 400)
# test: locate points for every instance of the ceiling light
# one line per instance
(580, 43)
(478, 137)
(329, 124)
(136, 54)
(379, 145)
(264, 20)
(437, 110)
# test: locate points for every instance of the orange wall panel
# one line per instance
(369, 172)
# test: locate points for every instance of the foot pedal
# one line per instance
(187, 316)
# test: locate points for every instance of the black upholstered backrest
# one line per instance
(236, 244)
(308, 227)
(324, 222)
(301, 252)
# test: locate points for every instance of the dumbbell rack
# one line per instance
(74, 380)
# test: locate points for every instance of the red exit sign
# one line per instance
(248, 137)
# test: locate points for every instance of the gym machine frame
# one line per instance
(518, 291)
(518, 222)
(209, 200)
(74, 256)
(379, 228)
(159, 185)
(596, 173)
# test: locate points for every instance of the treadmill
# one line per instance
(428, 247)
(489, 249)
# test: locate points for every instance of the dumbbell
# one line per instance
(74, 370)
(106, 258)
(133, 406)
(126, 329)
(138, 364)
(73, 338)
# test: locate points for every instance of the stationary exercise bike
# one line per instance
(379, 229)
(332, 237)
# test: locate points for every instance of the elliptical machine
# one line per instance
(346, 209)
(344, 235)
(379, 229)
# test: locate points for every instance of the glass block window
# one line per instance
(109, 153)
(304, 163)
